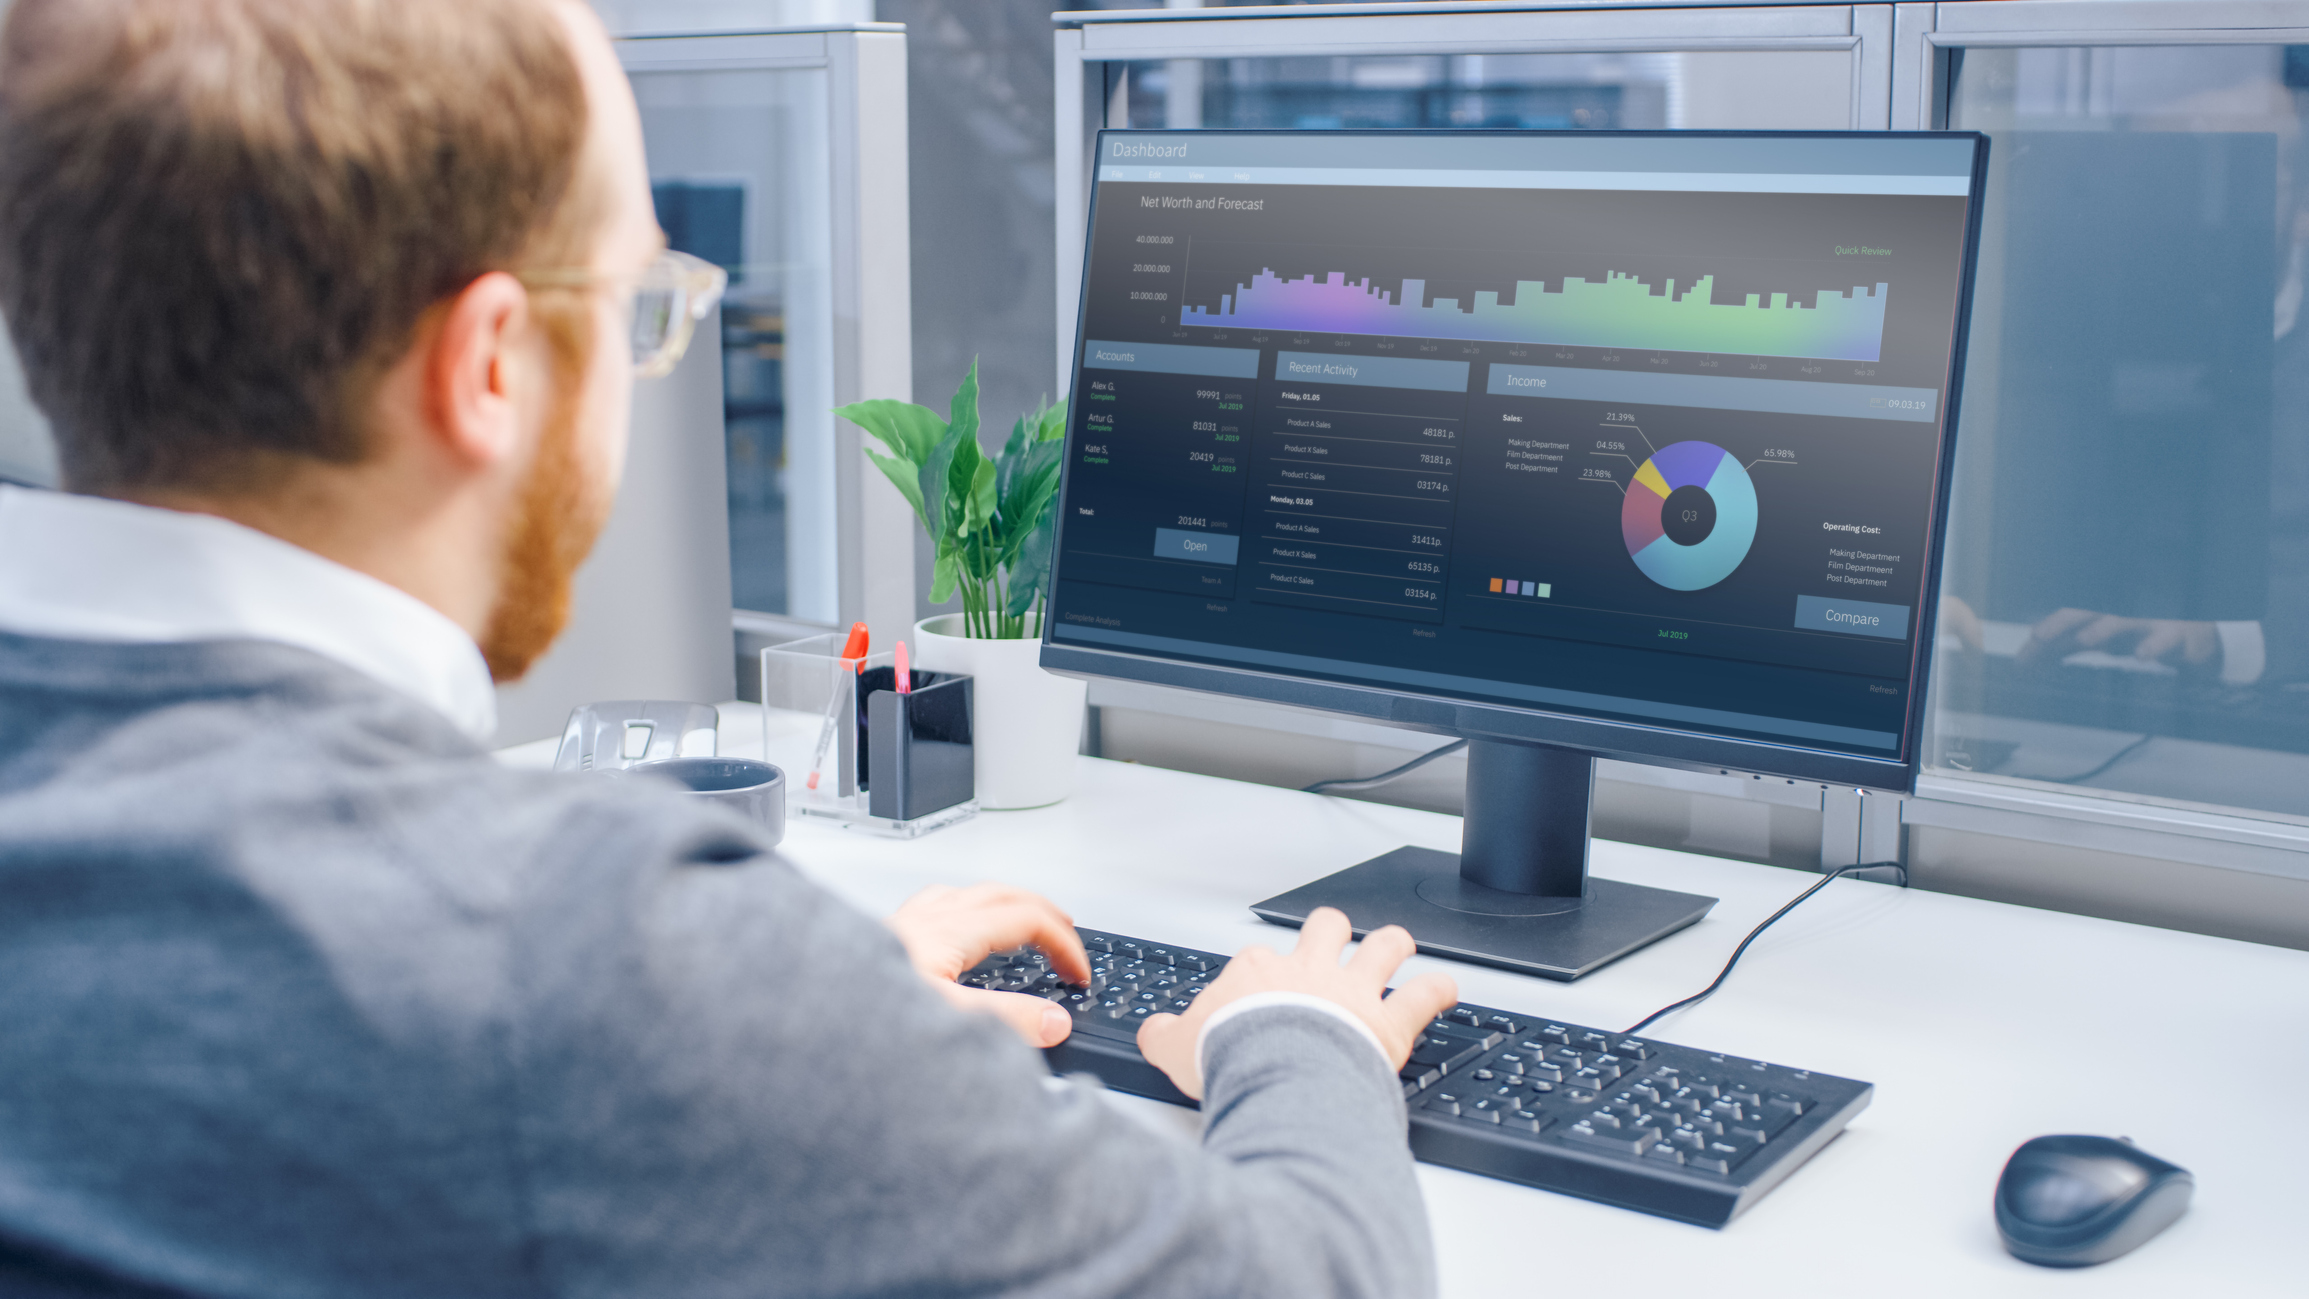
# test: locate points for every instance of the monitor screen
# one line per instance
(1633, 442)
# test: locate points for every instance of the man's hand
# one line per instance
(1312, 967)
(945, 931)
(2153, 639)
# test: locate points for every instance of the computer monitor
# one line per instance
(1572, 444)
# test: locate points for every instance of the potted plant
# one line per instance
(990, 523)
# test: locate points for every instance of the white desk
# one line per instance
(1981, 1025)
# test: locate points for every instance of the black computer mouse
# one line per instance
(2073, 1201)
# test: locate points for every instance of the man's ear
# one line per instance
(479, 366)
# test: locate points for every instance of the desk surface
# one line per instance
(1981, 1025)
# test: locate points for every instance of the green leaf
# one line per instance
(937, 467)
(1032, 570)
(1006, 465)
(1051, 422)
(978, 499)
(906, 478)
(942, 578)
(962, 465)
(1029, 496)
(964, 412)
(910, 431)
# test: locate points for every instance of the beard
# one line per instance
(560, 513)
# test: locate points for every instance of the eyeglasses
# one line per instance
(670, 296)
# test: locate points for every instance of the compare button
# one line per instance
(1854, 617)
(1209, 547)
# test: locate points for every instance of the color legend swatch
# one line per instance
(1619, 311)
(1516, 586)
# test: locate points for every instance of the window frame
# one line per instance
(871, 293)
(1901, 61)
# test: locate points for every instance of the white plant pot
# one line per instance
(1026, 725)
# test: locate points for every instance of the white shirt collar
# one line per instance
(86, 568)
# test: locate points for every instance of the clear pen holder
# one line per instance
(813, 717)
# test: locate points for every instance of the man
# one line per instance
(329, 304)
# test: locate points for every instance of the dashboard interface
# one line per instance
(1646, 428)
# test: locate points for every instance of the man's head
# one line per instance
(259, 258)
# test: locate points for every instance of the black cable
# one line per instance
(1709, 991)
(2114, 758)
(1365, 782)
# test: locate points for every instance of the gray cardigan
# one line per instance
(302, 994)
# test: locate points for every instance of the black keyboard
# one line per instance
(1647, 1125)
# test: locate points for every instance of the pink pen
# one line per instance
(905, 678)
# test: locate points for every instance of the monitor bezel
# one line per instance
(1626, 740)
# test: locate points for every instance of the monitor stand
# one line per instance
(1517, 895)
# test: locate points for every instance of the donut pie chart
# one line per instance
(1689, 516)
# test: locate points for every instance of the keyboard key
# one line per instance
(1098, 942)
(1665, 1154)
(1556, 1034)
(1580, 1095)
(1420, 1076)
(1486, 1110)
(1744, 1098)
(1463, 1015)
(1544, 1072)
(1746, 1135)
(1444, 1103)
(1707, 1161)
(1502, 1023)
(1510, 1063)
(1483, 1076)
(1632, 1049)
(1783, 1104)
(1530, 1121)
(1588, 1137)
(1687, 1139)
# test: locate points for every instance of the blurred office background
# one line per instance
(2121, 719)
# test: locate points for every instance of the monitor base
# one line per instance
(1450, 916)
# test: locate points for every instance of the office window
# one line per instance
(739, 169)
(1752, 89)
(2128, 585)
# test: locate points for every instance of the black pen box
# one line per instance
(918, 748)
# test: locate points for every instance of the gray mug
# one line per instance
(754, 790)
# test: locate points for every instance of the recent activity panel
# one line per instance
(1357, 468)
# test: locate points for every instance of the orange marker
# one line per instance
(854, 654)
(905, 678)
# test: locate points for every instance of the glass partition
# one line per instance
(740, 168)
(1725, 89)
(2127, 599)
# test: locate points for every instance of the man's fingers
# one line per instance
(1411, 1007)
(2052, 627)
(1323, 936)
(1003, 918)
(1168, 1044)
(2100, 631)
(2163, 639)
(1383, 952)
(1037, 1021)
